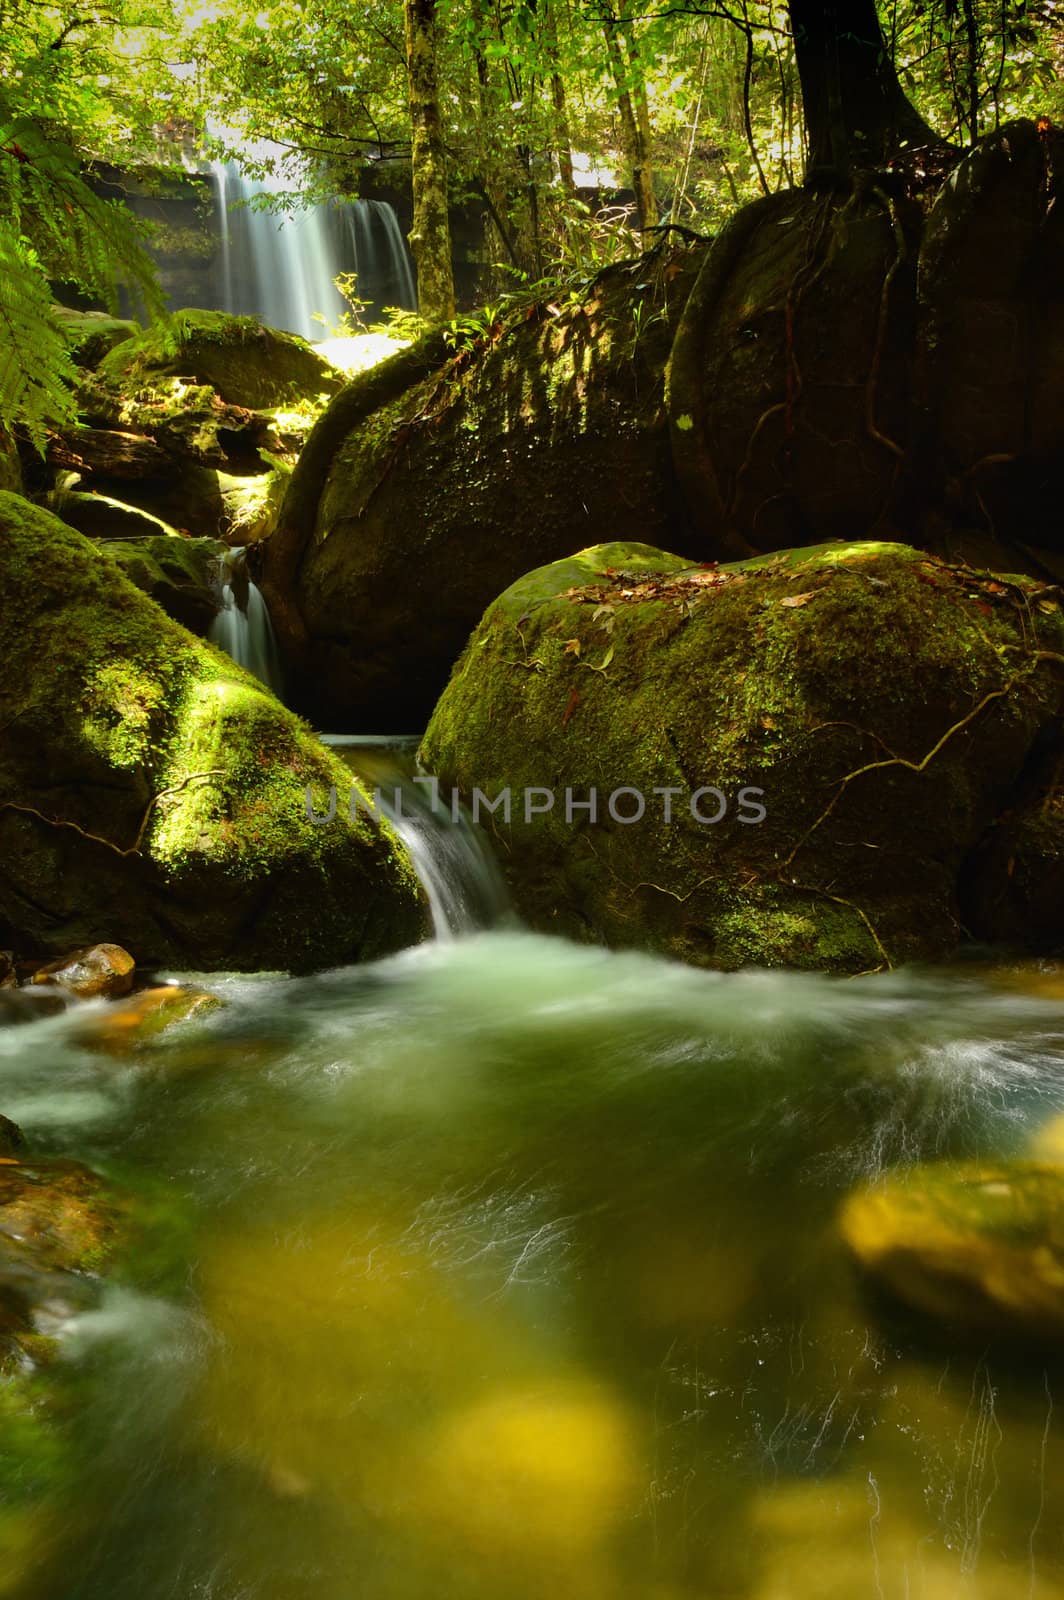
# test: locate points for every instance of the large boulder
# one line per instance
(856, 717)
(152, 793)
(437, 478)
(877, 364)
(246, 363)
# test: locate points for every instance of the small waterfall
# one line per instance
(281, 266)
(451, 854)
(242, 628)
(385, 273)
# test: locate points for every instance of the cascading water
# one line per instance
(281, 266)
(450, 854)
(242, 628)
(384, 271)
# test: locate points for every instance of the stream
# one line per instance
(506, 1269)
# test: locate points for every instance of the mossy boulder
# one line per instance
(246, 363)
(980, 1248)
(153, 794)
(181, 575)
(857, 715)
(437, 478)
(92, 335)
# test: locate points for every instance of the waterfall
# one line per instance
(281, 266)
(242, 628)
(278, 266)
(450, 853)
(382, 263)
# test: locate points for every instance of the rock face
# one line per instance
(847, 721)
(979, 1248)
(153, 794)
(243, 361)
(432, 483)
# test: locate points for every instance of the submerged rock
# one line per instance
(246, 363)
(140, 1020)
(791, 758)
(28, 1005)
(101, 969)
(978, 1247)
(150, 786)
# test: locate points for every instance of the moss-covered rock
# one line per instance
(433, 482)
(979, 1248)
(878, 705)
(92, 335)
(153, 794)
(181, 575)
(246, 363)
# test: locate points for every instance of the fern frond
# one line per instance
(79, 237)
(35, 365)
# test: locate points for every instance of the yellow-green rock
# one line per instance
(978, 1247)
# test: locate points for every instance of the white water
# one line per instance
(450, 854)
(246, 632)
(281, 266)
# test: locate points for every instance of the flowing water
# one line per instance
(506, 1269)
(282, 265)
(242, 628)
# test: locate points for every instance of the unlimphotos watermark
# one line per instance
(626, 804)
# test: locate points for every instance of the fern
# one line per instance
(35, 365)
(55, 227)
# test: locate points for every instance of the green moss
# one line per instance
(160, 744)
(786, 675)
(245, 362)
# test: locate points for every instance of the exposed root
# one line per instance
(851, 905)
(96, 838)
(925, 762)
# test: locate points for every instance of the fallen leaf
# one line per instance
(572, 647)
(574, 701)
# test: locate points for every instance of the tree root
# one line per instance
(96, 838)
(925, 762)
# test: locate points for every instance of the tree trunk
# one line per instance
(430, 236)
(562, 132)
(636, 154)
(856, 112)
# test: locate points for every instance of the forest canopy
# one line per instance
(692, 107)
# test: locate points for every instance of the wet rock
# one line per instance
(139, 1020)
(827, 727)
(103, 516)
(978, 1248)
(246, 363)
(391, 515)
(100, 969)
(151, 787)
